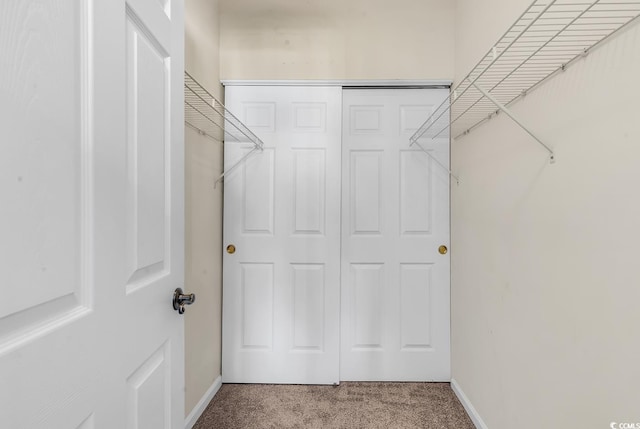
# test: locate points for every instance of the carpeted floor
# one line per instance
(350, 405)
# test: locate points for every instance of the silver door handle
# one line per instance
(180, 299)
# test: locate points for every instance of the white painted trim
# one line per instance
(197, 411)
(343, 83)
(473, 414)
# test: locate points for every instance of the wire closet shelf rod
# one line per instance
(545, 39)
(209, 117)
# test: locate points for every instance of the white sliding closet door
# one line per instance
(338, 218)
(395, 215)
(282, 213)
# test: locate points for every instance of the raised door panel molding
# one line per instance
(149, 392)
(148, 157)
(415, 193)
(46, 168)
(309, 191)
(415, 307)
(308, 307)
(257, 305)
(367, 304)
(366, 192)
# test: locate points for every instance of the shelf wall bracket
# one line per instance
(233, 167)
(547, 38)
(507, 112)
(436, 160)
(210, 118)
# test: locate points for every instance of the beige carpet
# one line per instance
(350, 405)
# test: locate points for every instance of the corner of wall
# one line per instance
(203, 214)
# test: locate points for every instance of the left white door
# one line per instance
(281, 293)
(91, 223)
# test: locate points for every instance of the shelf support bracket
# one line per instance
(233, 167)
(436, 161)
(507, 112)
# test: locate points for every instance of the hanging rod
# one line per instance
(209, 117)
(548, 37)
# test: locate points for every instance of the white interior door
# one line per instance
(395, 215)
(92, 226)
(281, 212)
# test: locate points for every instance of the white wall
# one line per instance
(203, 265)
(337, 39)
(545, 284)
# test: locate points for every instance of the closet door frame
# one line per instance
(343, 85)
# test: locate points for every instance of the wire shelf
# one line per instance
(204, 113)
(547, 37)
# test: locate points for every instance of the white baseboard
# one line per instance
(197, 411)
(473, 414)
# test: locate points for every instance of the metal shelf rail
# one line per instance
(205, 114)
(548, 37)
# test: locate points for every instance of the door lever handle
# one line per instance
(180, 299)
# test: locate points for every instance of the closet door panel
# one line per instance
(282, 215)
(395, 215)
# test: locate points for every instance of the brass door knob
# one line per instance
(231, 249)
(443, 249)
